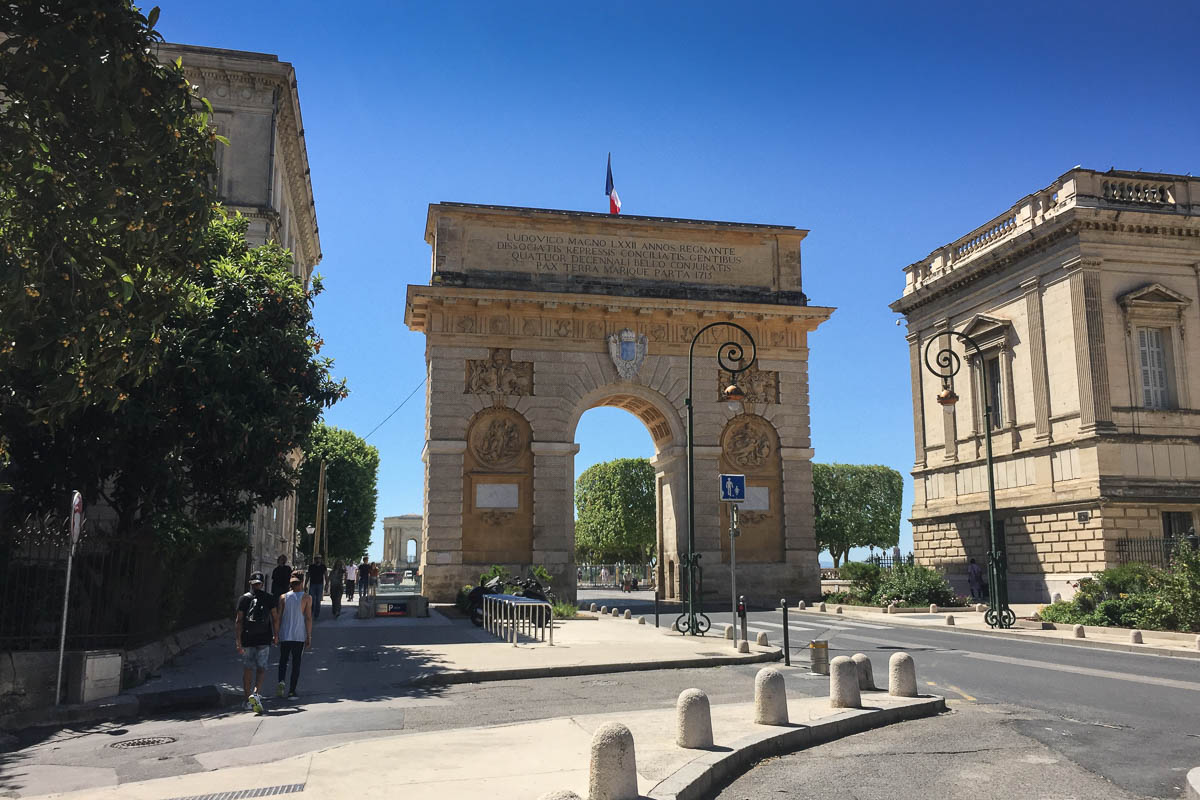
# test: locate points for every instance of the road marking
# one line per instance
(1097, 673)
(954, 688)
(791, 625)
(842, 621)
(892, 643)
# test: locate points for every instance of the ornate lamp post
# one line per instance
(948, 363)
(729, 357)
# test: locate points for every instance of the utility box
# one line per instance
(93, 675)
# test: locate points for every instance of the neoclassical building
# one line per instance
(402, 541)
(264, 175)
(534, 316)
(1083, 299)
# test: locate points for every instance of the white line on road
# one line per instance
(889, 642)
(842, 622)
(791, 625)
(1097, 673)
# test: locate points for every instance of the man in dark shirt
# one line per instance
(256, 627)
(316, 584)
(280, 577)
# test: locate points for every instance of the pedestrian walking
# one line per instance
(975, 580)
(280, 577)
(295, 634)
(364, 577)
(256, 626)
(351, 579)
(336, 581)
(316, 584)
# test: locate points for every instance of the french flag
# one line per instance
(614, 201)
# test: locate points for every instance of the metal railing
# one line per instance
(1157, 551)
(881, 561)
(615, 576)
(510, 617)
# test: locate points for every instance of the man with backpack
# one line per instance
(256, 627)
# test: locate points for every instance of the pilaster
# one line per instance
(1095, 404)
(918, 397)
(1037, 360)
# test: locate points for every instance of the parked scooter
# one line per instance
(475, 598)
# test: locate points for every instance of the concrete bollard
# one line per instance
(1198, 642)
(628, 614)
(743, 646)
(612, 773)
(902, 675)
(675, 626)
(801, 605)
(593, 607)
(949, 619)
(560, 794)
(616, 612)
(981, 607)
(820, 606)
(770, 698)
(866, 673)
(761, 639)
(1135, 637)
(1057, 598)
(837, 610)
(891, 609)
(603, 609)
(1078, 631)
(728, 631)
(693, 720)
(843, 684)
(641, 620)
(933, 609)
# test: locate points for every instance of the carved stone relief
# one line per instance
(748, 442)
(499, 375)
(498, 438)
(494, 519)
(760, 385)
(628, 351)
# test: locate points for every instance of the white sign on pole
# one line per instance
(76, 517)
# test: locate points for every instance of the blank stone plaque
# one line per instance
(497, 495)
(758, 498)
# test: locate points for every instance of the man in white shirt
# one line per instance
(351, 579)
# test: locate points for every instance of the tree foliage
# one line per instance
(856, 506)
(105, 197)
(615, 511)
(212, 432)
(351, 472)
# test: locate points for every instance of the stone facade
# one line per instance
(1082, 297)
(397, 533)
(264, 175)
(534, 317)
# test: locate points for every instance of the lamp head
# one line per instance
(311, 529)
(734, 394)
(947, 398)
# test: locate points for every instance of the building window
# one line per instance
(991, 380)
(1176, 523)
(1152, 356)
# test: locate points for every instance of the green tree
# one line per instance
(614, 511)
(855, 506)
(351, 473)
(105, 196)
(215, 430)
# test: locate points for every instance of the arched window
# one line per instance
(410, 551)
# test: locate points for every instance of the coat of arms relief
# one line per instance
(628, 351)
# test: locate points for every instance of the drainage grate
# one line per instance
(238, 794)
(145, 741)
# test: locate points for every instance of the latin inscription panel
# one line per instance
(619, 257)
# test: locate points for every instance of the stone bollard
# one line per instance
(560, 794)
(628, 614)
(1198, 642)
(616, 612)
(641, 620)
(1057, 598)
(603, 609)
(933, 609)
(675, 626)
(728, 631)
(612, 773)
(820, 606)
(761, 639)
(593, 607)
(837, 610)
(1078, 631)
(743, 646)
(801, 606)
(902, 676)
(770, 698)
(949, 619)
(843, 684)
(693, 720)
(981, 607)
(1135, 637)
(891, 609)
(866, 673)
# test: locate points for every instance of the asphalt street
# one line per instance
(1123, 719)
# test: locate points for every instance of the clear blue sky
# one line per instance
(887, 129)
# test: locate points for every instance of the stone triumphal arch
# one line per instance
(532, 317)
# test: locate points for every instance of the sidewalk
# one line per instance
(1154, 642)
(527, 759)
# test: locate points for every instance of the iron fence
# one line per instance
(1156, 552)
(125, 591)
(881, 561)
(610, 576)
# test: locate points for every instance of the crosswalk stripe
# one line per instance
(847, 623)
(791, 625)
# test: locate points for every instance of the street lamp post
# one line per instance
(948, 363)
(729, 357)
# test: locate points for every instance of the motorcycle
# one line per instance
(475, 598)
(521, 587)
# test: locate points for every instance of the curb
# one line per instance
(1015, 633)
(123, 706)
(702, 777)
(1193, 784)
(572, 670)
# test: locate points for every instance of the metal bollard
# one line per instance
(742, 612)
(656, 608)
(819, 656)
(787, 648)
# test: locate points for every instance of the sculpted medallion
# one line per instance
(760, 385)
(499, 375)
(628, 351)
(748, 441)
(497, 438)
